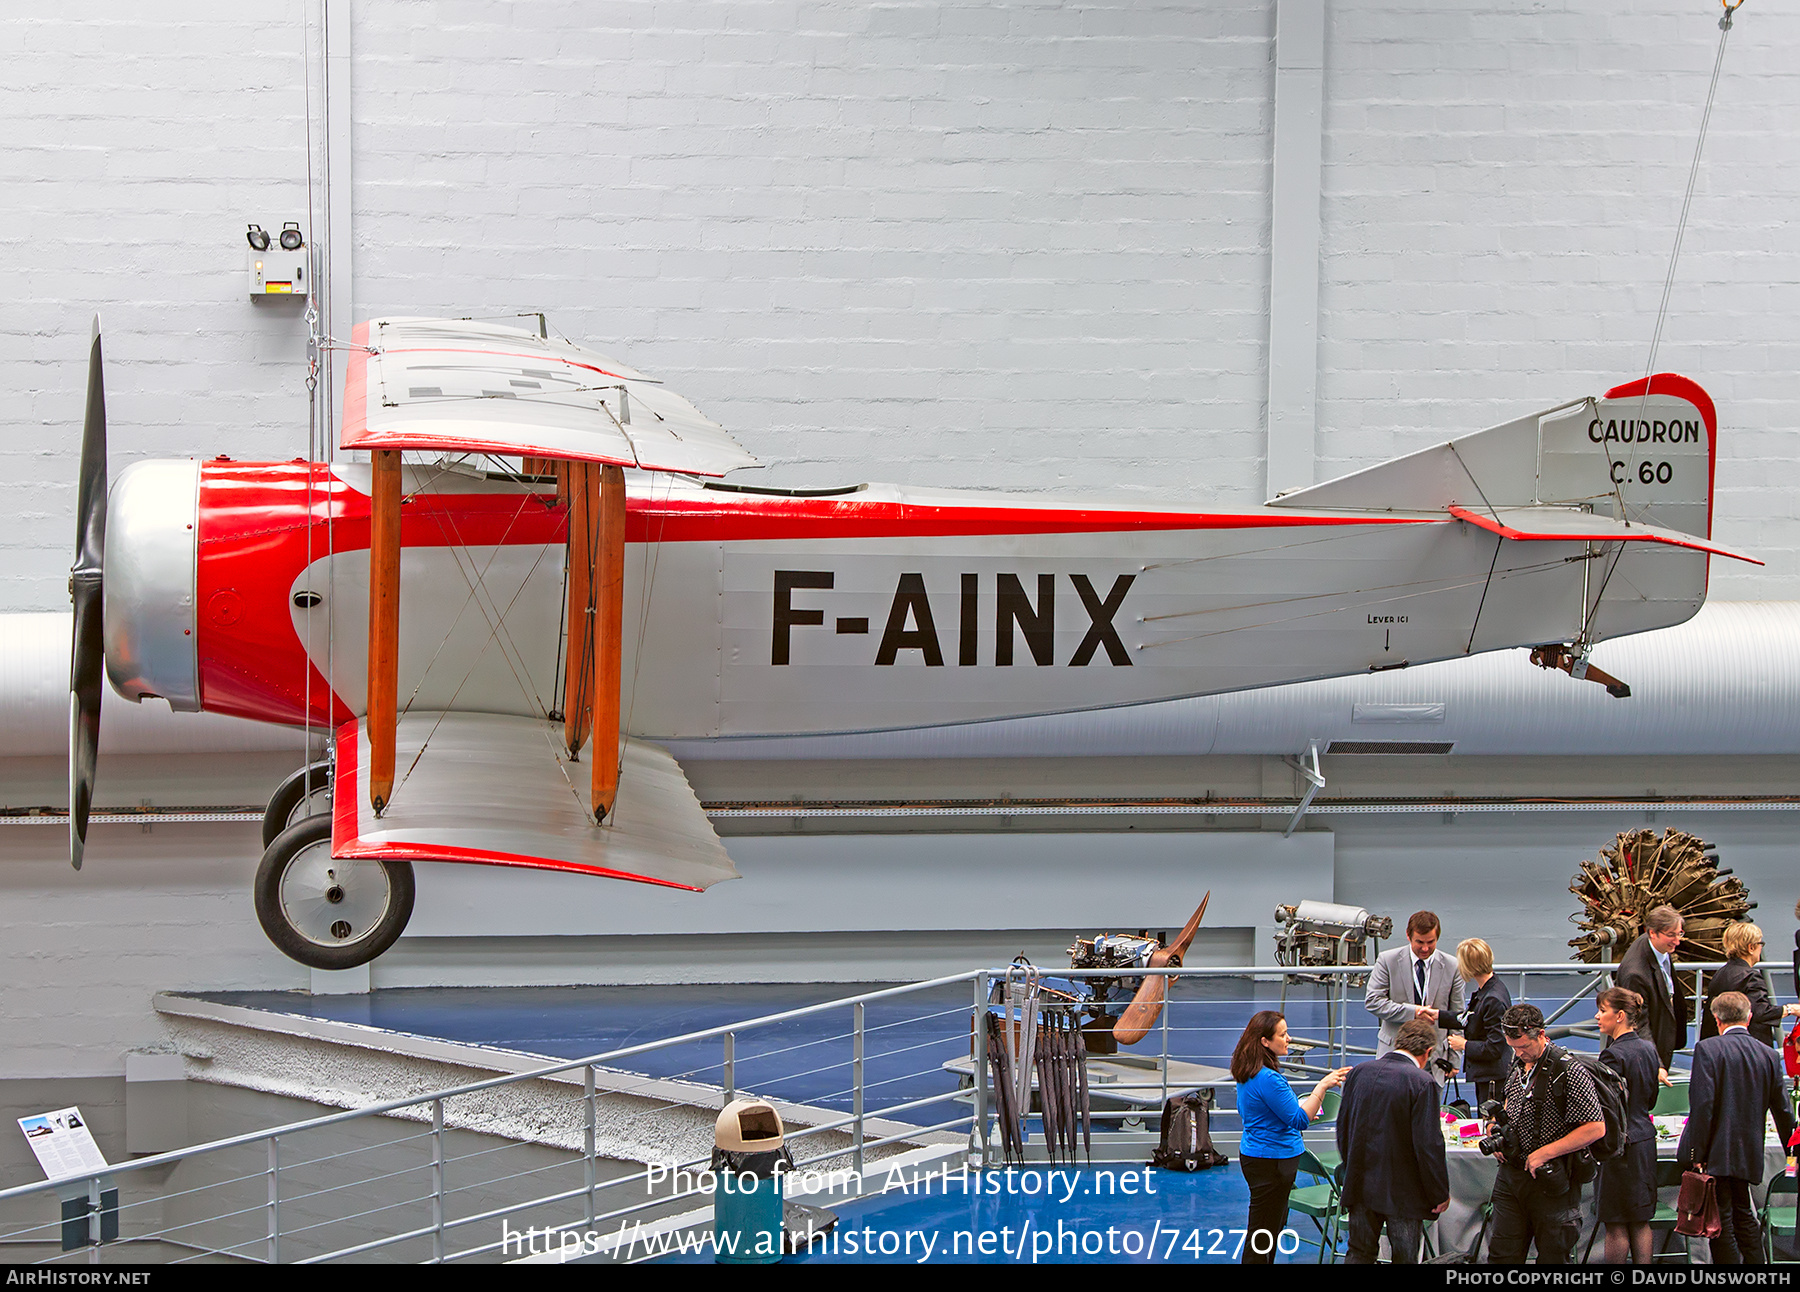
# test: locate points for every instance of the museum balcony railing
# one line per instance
(870, 1083)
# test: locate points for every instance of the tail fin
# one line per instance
(1633, 468)
(1648, 446)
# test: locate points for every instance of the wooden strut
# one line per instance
(609, 632)
(384, 624)
(580, 483)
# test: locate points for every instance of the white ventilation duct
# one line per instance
(1726, 682)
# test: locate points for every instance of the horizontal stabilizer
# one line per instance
(457, 386)
(498, 790)
(1564, 525)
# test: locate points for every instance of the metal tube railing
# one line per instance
(278, 1233)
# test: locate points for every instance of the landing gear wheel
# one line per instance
(305, 793)
(329, 914)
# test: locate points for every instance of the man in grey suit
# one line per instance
(1414, 981)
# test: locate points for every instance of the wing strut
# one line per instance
(609, 631)
(583, 494)
(384, 623)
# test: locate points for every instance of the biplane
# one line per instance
(541, 573)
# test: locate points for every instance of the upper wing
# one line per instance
(493, 788)
(459, 386)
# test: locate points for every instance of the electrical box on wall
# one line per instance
(279, 263)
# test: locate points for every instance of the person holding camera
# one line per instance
(1550, 1113)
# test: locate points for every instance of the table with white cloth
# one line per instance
(1472, 1183)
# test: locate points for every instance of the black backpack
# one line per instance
(1186, 1142)
(1609, 1087)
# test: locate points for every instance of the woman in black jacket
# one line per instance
(1486, 1058)
(1625, 1199)
(1743, 948)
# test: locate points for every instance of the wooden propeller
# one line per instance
(1146, 1006)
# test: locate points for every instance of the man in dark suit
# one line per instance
(1736, 1080)
(1393, 1147)
(1648, 969)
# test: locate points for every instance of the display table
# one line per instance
(1472, 1183)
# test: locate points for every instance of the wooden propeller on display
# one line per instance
(1146, 1007)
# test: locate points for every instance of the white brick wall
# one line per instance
(1502, 185)
(1012, 245)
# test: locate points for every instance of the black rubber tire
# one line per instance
(290, 795)
(301, 842)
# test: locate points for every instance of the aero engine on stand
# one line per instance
(1326, 935)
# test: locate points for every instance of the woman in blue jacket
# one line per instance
(1273, 1119)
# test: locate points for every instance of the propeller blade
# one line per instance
(86, 592)
(1146, 1006)
(1181, 944)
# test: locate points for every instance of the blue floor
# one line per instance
(1188, 1219)
(807, 1060)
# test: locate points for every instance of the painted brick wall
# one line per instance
(1009, 245)
(1502, 185)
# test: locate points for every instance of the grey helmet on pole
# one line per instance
(86, 591)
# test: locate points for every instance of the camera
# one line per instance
(1505, 1139)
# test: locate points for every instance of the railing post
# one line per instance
(730, 1066)
(94, 1219)
(274, 1205)
(437, 1181)
(856, 1083)
(978, 1133)
(1168, 1007)
(590, 1172)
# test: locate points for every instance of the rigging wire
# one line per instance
(1687, 200)
(312, 396)
(1662, 312)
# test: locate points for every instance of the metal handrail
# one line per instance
(854, 1124)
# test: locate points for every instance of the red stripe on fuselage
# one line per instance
(262, 523)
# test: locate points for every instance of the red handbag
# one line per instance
(1697, 1206)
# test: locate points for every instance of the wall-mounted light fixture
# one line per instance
(281, 272)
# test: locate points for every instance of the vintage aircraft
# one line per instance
(463, 624)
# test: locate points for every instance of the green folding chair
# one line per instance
(1329, 1158)
(1778, 1216)
(1322, 1203)
(1670, 1100)
(1668, 1176)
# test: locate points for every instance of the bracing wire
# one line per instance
(1687, 200)
(1687, 203)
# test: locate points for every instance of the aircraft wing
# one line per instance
(1566, 525)
(497, 790)
(458, 386)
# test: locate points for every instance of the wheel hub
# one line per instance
(331, 902)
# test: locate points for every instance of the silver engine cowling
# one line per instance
(152, 547)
